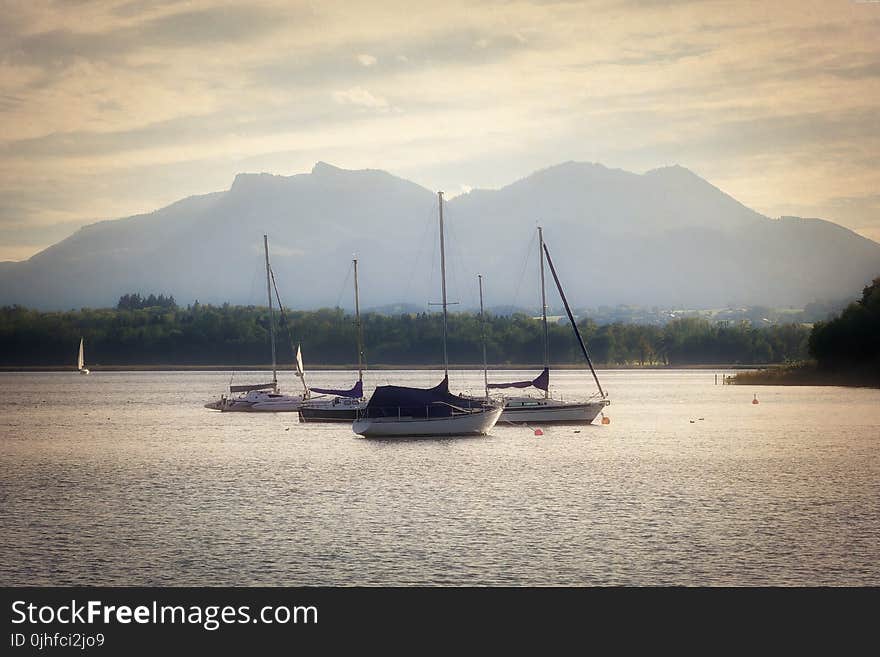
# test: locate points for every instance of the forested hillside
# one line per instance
(239, 335)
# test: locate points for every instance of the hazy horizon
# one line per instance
(116, 108)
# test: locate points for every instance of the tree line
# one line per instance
(134, 334)
(851, 341)
(136, 302)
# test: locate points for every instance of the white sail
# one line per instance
(299, 363)
(80, 361)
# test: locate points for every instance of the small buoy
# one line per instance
(539, 432)
(755, 400)
(605, 420)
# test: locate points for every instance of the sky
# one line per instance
(118, 107)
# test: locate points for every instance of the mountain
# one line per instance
(665, 238)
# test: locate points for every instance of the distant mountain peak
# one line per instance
(673, 171)
(565, 173)
(323, 169)
(572, 166)
(246, 181)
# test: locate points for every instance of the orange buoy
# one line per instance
(539, 432)
(606, 420)
(755, 400)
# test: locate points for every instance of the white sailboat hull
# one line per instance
(465, 424)
(550, 411)
(84, 370)
(258, 402)
(289, 405)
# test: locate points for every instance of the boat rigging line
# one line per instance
(577, 333)
(343, 287)
(526, 259)
(286, 325)
(429, 224)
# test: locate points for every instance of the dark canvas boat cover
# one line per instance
(541, 382)
(394, 401)
(355, 393)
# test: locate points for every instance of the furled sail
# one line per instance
(356, 392)
(79, 361)
(254, 386)
(541, 382)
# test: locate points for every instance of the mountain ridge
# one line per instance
(664, 237)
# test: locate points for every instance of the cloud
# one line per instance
(360, 97)
(181, 29)
(140, 7)
(406, 54)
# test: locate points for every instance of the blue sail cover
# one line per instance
(541, 382)
(394, 401)
(355, 393)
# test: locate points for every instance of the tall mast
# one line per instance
(574, 326)
(271, 312)
(544, 306)
(357, 321)
(443, 279)
(483, 337)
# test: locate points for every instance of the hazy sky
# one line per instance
(115, 107)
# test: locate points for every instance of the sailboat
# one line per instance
(397, 411)
(546, 410)
(265, 397)
(80, 362)
(344, 405)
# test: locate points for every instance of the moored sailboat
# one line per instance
(264, 397)
(403, 412)
(546, 410)
(342, 405)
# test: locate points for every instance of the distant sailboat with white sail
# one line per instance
(546, 410)
(80, 360)
(402, 412)
(265, 397)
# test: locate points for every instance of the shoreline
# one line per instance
(353, 368)
(807, 374)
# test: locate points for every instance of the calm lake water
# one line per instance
(125, 479)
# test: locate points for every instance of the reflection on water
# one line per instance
(124, 478)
